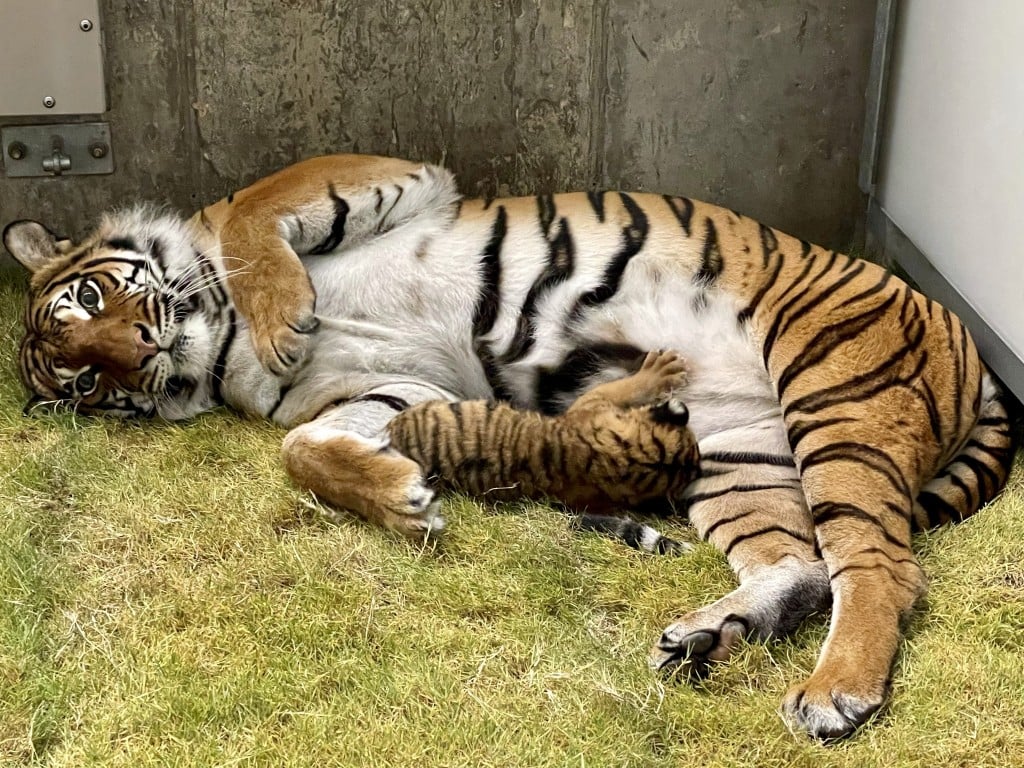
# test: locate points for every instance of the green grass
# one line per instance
(168, 598)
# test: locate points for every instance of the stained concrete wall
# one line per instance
(755, 105)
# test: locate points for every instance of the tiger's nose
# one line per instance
(145, 345)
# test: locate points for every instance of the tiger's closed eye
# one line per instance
(89, 297)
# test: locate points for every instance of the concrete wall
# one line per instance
(755, 105)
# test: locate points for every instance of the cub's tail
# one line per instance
(632, 533)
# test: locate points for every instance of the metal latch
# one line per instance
(67, 149)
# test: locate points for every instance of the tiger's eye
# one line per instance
(85, 383)
(88, 297)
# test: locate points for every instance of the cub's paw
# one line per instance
(688, 647)
(662, 371)
(831, 709)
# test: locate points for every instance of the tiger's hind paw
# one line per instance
(829, 710)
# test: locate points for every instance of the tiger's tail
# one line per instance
(978, 472)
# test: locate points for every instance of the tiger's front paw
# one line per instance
(829, 709)
(283, 335)
(414, 512)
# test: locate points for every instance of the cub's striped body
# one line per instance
(623, 444)
(834, 405)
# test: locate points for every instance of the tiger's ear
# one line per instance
(33, 245)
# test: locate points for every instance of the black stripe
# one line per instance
(799, 429)
(908, 585)
(827, 339)
(391, 401)
(380, 224)
(984, 473)
(486, 312)
(761, 532)
(725, 521)
(699, 497)
(231, 197)
(122, 244)
(682, 207)
(958, 374)
(222, 357)
(964, 488)
(858, 453)
(861, 387)
(633, 237)
(710, 257)
(281, 394)
(769, 282)
(596, 198)
(938, 509)
(769, 243)
(993, 421)
(333, 404)
(491, 371)
(157, 253)
(748, 457)
(337, 233)
(545, 212)
(781, 315)
(829, 511)
(795, 284)
(561, 261)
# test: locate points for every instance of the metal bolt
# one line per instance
(98, 149)
(16, 150)
(49, 102)
(85, 25)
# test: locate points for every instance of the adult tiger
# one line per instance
(834, 405)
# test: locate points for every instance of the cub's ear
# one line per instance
(33, 245)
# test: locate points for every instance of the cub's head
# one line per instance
(128, 322)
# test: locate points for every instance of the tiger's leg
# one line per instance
(315, 207)
(861, 499)
(750, 505)
(661, 372)
(343, 456)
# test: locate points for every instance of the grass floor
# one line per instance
(168, 598)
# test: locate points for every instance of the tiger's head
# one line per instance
(129, 322)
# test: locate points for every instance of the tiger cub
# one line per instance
(623, 443)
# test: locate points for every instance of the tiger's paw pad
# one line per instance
(828, 712)
(671, 411)
(283, 348)
(686, 651)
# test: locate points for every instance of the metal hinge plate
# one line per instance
(66, 149)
